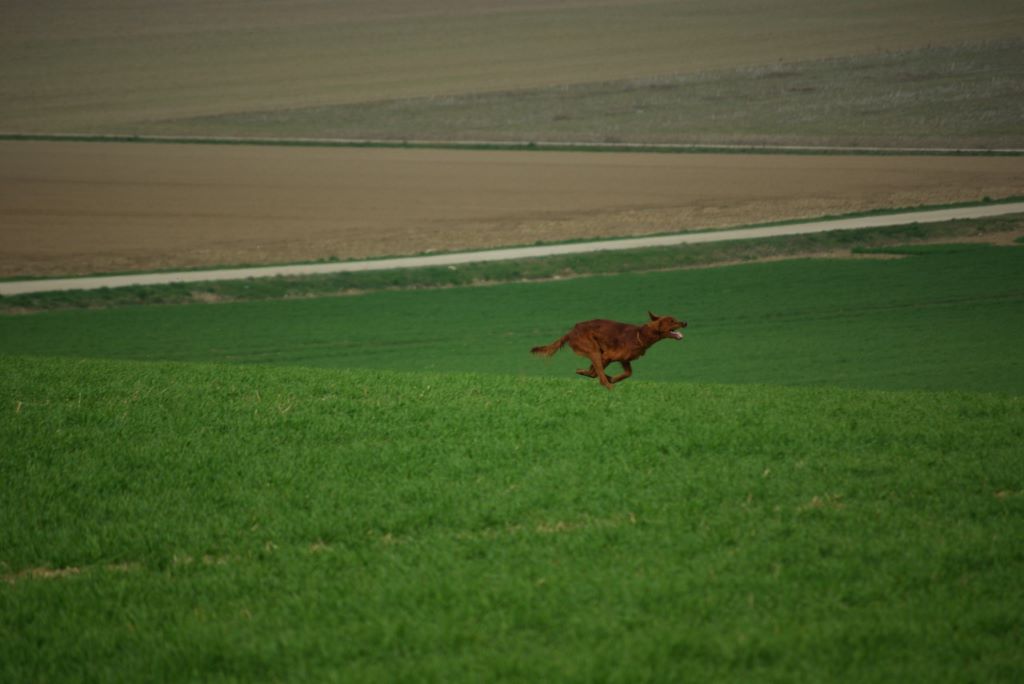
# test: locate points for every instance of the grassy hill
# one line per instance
(321, 489)
(183, 521)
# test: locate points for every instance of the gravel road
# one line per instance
(91, 283)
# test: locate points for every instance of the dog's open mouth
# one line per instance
(675, 334)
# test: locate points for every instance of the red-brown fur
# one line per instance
(603, 342)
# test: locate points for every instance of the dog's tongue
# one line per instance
(677, 335)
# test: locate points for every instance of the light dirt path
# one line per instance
(876, 221)
(76, 208)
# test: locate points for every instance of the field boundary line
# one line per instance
(511, 145)
(455, 259)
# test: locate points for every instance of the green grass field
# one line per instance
(180, 521)
(822, 482)
(947, 318)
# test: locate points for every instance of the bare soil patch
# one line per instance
(119, 65)
(79, 208)
(41, 573)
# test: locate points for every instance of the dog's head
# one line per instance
(666, 326)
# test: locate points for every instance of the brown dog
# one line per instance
(605, 341)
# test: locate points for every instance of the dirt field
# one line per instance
(78, 208)
(112, 65)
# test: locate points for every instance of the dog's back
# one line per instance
(612, 338)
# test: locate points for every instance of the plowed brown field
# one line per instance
(76, 208)
(115, 66)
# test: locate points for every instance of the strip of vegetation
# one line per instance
(566, 266)
(530, 146)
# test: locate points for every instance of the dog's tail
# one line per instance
(550, 349)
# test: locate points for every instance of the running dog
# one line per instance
(604, 341)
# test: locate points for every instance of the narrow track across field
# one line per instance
(502, 254)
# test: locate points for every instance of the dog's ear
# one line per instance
(653, 317)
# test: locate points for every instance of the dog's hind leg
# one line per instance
(627, 370)
(598, 364)
(589, 372)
